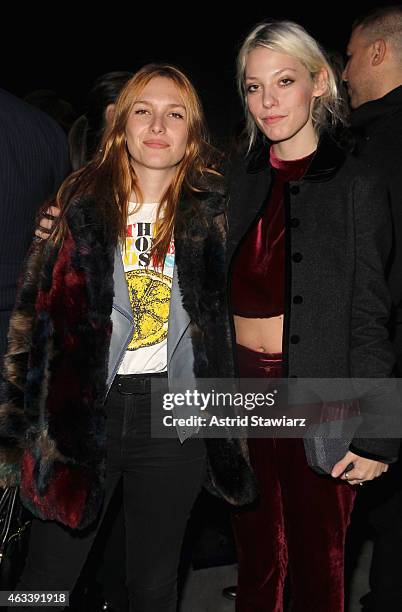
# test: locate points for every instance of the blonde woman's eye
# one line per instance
(177, 115)
(141, 111)
(286, 82)
(252, 88)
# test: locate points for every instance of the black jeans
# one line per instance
(161, 479)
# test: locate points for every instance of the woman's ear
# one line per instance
(320, 83)
(109, 113)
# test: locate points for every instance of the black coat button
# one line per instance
(295, 339)
(297, 257)
(297, 299)
(294, 222)
(294, 190)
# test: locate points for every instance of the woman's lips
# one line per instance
(156, 144)
(273, 119)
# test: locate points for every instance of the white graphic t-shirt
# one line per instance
(149, 290)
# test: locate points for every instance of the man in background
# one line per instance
(34, 160)
(373, 75)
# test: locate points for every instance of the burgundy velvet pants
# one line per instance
(297, 527)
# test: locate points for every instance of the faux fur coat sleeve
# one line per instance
(13, 420)
(52, 417)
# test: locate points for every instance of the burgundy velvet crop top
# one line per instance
(258, 269)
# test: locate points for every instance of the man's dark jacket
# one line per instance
(33, 162)
(377, 126)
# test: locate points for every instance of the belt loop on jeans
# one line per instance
(129, 384)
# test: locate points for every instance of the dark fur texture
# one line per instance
(52, 420)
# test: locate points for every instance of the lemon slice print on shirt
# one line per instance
(150, 299)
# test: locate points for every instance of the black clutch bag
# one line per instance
(326, 443)
(14, 534)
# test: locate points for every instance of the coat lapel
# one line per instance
(122, 318)
(179, 320)
(246, 197)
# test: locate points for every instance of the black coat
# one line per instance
(338, 238)
(34, 160)
(377, 126)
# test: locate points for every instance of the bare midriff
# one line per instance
(261, 335)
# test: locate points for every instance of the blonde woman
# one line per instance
(309, 235)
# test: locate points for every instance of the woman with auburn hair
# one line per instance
(309, 236)
(128, 289)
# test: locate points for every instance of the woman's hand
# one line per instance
(46, 222)
(363, 469)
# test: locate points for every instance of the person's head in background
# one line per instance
(50, 103)
(337, 61)
(288, 87)
(87, 131)
(374, 52)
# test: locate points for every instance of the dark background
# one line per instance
(65, 47)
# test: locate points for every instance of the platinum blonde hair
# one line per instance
(292, 39)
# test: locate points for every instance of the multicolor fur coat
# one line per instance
(52, 417)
